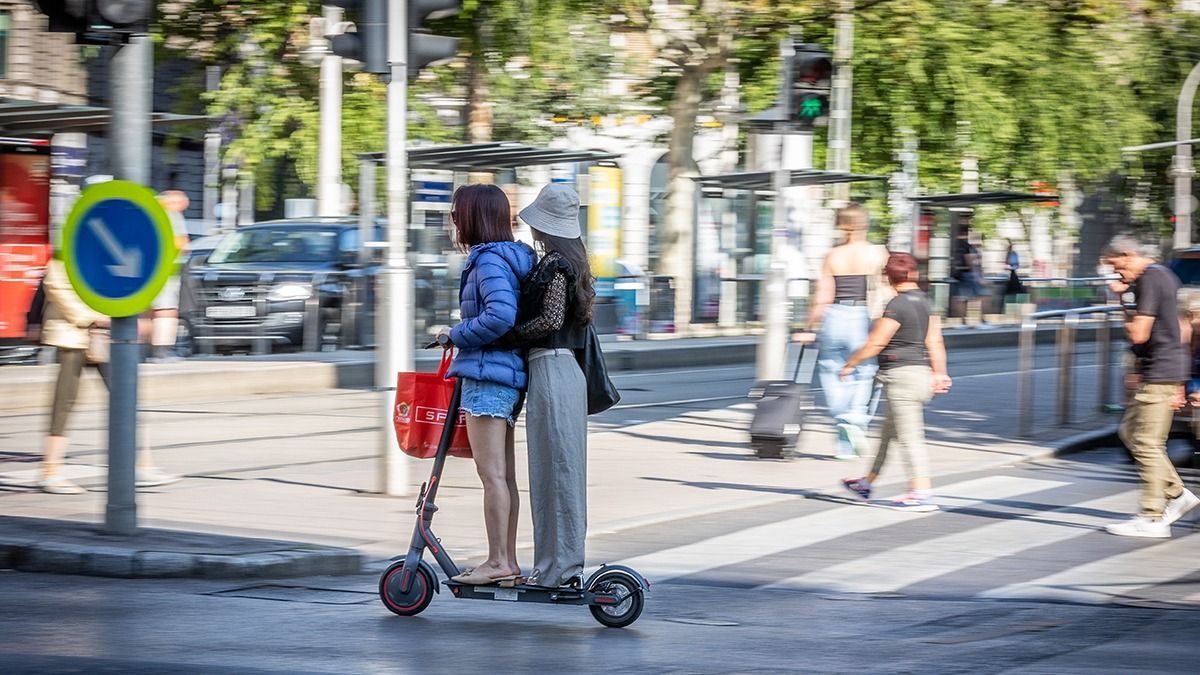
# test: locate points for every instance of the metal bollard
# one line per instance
(1066, 369)
(1028, 340)
(1104, 360)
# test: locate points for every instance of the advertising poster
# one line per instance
(604, 220)
(24, 229)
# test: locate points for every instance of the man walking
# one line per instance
(1154, 334)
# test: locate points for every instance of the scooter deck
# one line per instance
(522, 593)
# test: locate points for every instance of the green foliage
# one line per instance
(539, 58)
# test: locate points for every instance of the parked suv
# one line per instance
(278, 283)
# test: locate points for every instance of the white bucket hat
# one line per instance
(555, 212)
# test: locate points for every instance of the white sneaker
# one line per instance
(857, 438)
(59, 486)
(152, 477)
(1179, 507)
(1141, 526)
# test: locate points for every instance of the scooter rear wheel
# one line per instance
(630, 600)
(415, 600)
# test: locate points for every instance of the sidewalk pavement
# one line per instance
(204, 378)
(303, 468)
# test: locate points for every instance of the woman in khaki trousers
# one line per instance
(73, 329)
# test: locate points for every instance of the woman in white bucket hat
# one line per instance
(555, 318)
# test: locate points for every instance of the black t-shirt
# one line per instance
(1163, 357)
(907, 347)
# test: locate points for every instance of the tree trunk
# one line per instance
(678, 248)
(479, 110)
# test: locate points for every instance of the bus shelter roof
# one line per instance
(763, 180)
(490, 156)
(28, 117)
(969, 199)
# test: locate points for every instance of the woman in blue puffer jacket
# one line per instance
(493, 376)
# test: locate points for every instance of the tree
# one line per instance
(267, 102)
(694, 42)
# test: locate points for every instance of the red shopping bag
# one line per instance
(419, 413)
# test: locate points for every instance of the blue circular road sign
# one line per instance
(118, 247)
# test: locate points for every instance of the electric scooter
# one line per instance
(614, 593)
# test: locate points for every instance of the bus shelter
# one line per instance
(937, 222)
(734, 218)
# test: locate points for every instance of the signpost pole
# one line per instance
(132, 86)
(394, 320)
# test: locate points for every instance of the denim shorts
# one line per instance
(488, 399)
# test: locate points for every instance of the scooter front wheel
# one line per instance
(629, 599)
(418, 596)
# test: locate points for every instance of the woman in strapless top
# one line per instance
(842, 320)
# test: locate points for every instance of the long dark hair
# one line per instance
(481, 215)
(575, 254)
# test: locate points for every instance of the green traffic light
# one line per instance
(810, 108)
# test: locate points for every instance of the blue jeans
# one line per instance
(844, 330)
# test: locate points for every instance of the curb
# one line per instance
(1081, 442)
(126, 559)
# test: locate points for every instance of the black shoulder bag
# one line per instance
(602, 394)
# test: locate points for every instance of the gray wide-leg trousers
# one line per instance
(556, 434)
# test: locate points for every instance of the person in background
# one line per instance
(912, 369)
(1156, 338)
(1012, 261)
(164, 311)
(492, 375)
(968, 272)
(850, 276)
(77, 332)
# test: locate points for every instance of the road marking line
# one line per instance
(1099, 581)
(896, 568)
(764, 540)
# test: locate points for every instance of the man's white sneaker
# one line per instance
(59, 486)
(1141, 526)
(1179, 507)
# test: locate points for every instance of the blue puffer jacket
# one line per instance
(488, 298)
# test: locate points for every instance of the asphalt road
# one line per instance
(1012, 576)
(659, 394)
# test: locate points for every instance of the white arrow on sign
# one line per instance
(129, 261)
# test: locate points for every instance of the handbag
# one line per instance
(419, 413)
(99, 342)
(602, 394)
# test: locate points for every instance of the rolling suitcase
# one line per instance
(780, 409)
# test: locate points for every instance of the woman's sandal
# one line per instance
(477, 578)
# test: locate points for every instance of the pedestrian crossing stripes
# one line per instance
(935, 557)
(1030, 534)
(1157, 563)
(793, 533)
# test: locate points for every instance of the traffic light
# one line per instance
(368, 45)
(98, 21)
(812, 72)
(425, 48)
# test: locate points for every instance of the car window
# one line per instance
(1188, 270)
(277, 244)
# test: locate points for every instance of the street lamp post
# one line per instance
(329, 158)
(1183, 168)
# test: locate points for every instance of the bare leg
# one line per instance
(488, 441)
(514, 497)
